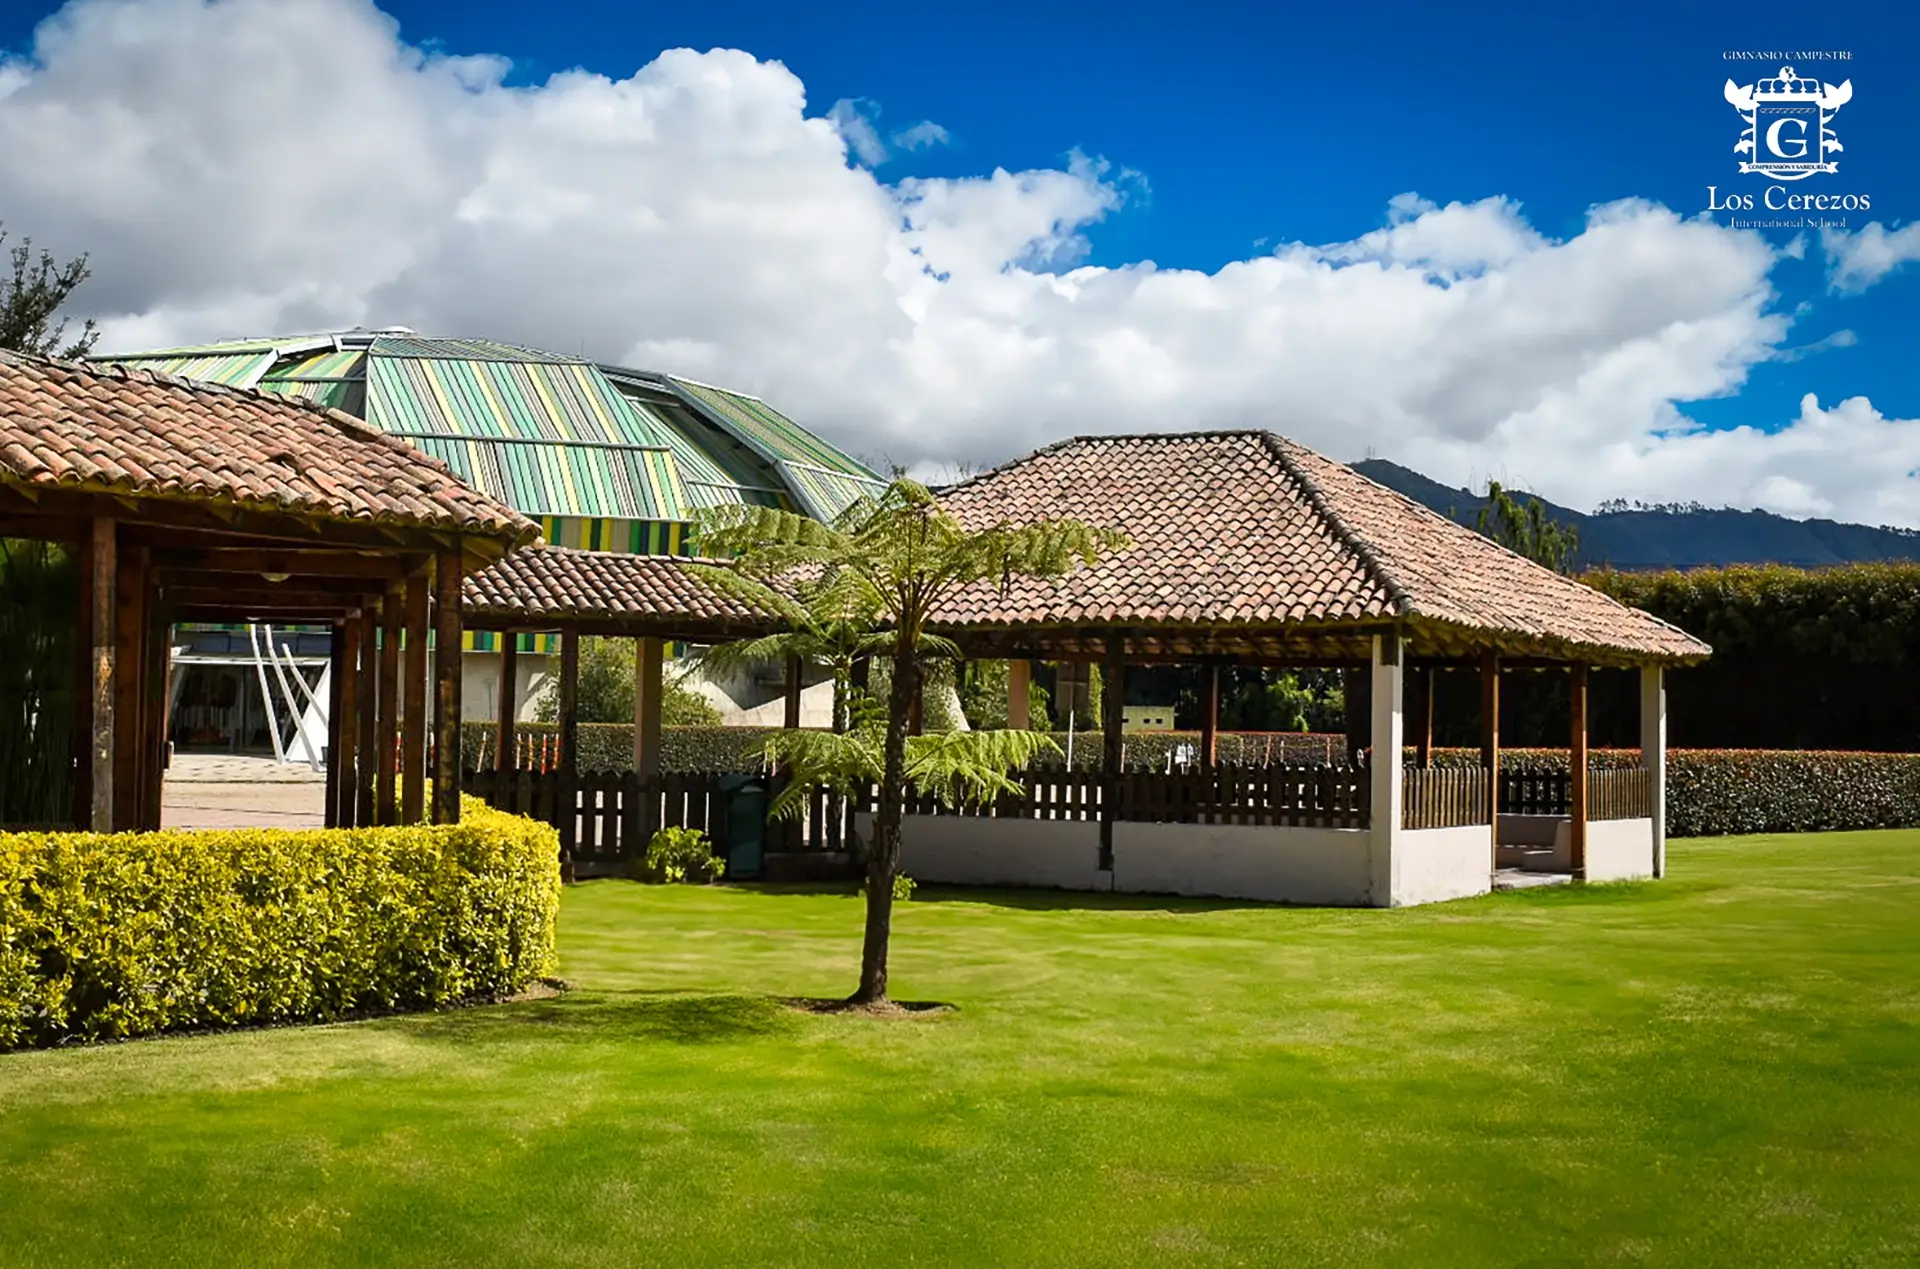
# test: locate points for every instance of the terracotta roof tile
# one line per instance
(110, 430)
(650, 593)
(1248, 529)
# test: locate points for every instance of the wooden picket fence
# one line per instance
(1620, 793)
(1296, 794)
(1443, 797)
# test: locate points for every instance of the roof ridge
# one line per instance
(1342, 531)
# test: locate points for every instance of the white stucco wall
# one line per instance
(1618, 850)
(1241, 861)
(480, 685)
(1435, 864)
(964, 850)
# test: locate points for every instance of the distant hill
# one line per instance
(1677, 538)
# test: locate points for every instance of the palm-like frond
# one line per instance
(972, 766)
(843, 763)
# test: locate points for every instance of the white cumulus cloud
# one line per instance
(1856, 260)
(241, 167)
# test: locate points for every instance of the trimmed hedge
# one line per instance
(109, 936)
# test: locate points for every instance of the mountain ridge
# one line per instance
(1635, 539)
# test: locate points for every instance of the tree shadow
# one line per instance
(676, 1019)
(1083, 900)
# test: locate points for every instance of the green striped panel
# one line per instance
(825, 494)
(768, 432)
(236, 370)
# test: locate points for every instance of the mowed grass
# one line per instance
(1722, 1068)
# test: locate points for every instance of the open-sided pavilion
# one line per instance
(191, 502)
(1250, 549)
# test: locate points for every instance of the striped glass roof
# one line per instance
(552, 435)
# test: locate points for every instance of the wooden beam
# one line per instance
(1210, 716)
(507, 704)
(1423, 739)
(790, 717)
(129, 687)
(262, 562)
(1577, 764)
(569, 719)
(1490, 744)
(449, 653)
(158, 660)
(366, 745)
(1113, 696)
(1019, 694)
(413, 719)
(332, 814)
(387, 793)
(104, 556)
(343, 724)
(648, 698)
(219, 520)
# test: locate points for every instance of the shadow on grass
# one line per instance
(1080, 900)
(1594, 893)
(672, 1019)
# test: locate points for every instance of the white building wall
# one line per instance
(1620, 850)
(965, 850)
(1436, 864)
(1327, 866)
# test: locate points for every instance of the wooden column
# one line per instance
(104, 555)
(1350, 694)
(129, 688)
(648, 657)
(413, 723)
(507, 707)
(159, 678)
(449, 637)
(340, 710)
(1386, 775)
(1423, 742)
(1019, 694)
(569, 718)
(80, 813)
(1210, 717)
(366, 672)
(387, 791)
(1490, 742)
(1113, 700)
(1577, 768)
(790, 719)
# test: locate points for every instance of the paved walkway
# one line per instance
(229, 791)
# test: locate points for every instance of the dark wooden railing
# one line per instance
(1301, 795)
(1620, 793)
(1443, 797)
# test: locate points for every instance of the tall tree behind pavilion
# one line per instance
(32, 292)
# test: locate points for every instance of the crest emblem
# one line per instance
(1787, 136)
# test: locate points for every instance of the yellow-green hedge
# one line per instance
(104, 936)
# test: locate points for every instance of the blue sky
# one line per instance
(1227, 131)
(1261, 123)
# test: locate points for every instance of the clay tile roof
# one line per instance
(134, 433)
(645, 594)
(1248, 529)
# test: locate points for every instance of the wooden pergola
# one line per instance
(1248, 549)
(189, 502)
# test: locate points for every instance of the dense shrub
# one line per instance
(105, 936)
(680, 854)
(609, 746)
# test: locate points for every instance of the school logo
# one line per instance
(1787, 136)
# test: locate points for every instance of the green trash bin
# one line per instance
(746, 803)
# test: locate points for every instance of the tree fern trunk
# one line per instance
(884, 861)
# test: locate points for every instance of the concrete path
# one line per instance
(228, 791)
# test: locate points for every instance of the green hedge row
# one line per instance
(108, 936)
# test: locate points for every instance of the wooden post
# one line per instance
(366, 674)
(387, 793)
(104, 555)
(1210, 718)
(413, 725)
(1577, 768)
(129, 688)
(159, 672)
(507, 708)
(1350, 693)
(1424, 743)
(343, 707)
(648, 655)
(1113, 700)
(791, 718)
(449, 652)
(1019, 694)
(1490, 742)
(569, 746)
(1387, 775)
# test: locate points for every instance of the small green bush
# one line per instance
(902, 887)
(681, 855)
(108, 936)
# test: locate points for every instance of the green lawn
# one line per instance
(1723, 1068)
